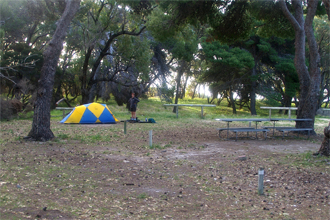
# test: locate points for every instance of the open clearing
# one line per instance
(98, 172)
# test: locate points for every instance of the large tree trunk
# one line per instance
(309, 79)
(41, 118)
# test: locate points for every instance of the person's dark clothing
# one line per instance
(133, 104)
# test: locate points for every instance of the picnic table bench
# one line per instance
(294, 129)
(279, 108)
(243, 129)
(247, 129)
(190, 105)
(283, 129)
(264, 129)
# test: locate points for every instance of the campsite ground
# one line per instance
(98, 172)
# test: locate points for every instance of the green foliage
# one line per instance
(181, 42)
(157, 24)
(166, 94)
(142, 196)
(223, 54)
(271, 20)
(138, 54)
(234, 24)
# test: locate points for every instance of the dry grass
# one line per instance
(98, 172)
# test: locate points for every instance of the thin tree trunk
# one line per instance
(178, 83)
(84, 90)
(232, 101)
(41, 118)
(253, 91)
(193, 95)
(183, 94)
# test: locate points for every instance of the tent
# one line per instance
(90, 114)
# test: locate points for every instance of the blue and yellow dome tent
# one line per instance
(91, 113)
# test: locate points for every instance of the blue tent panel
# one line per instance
(106, 117)
(88, 117)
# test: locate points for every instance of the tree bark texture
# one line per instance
(309, 78)
(232, 101)
(41, 119)
(325, 146)
(253, 91)
(178, 82)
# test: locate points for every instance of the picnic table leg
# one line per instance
(270, 113)
(227, 129)
(202, 112)
(289, 113)
(63, 113)
(256, 128)
(177, 111)
(274, 129)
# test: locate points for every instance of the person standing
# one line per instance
(133, 105)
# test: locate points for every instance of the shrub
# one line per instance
(9, 108)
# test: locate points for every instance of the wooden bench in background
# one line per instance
(190, 105)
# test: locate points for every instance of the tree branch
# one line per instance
(289, 16)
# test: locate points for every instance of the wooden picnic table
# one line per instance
(190, 105)
(279, 108)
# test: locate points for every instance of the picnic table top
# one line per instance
(192, 105)
(291, 119)
(284, 108)
(64, 108)
(263, 119)
(242, 119)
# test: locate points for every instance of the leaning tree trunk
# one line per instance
(325, 147)
(309, 77)
(41, 118)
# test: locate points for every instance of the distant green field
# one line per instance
(153, 108)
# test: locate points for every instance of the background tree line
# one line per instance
(240, 49)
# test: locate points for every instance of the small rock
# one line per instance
(242, 158)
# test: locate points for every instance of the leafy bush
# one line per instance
(9, 108)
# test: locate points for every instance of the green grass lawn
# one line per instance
(154, 108)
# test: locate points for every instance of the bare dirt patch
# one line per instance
(189, 173)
